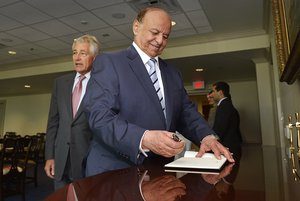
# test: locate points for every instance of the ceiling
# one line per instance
(44, 30)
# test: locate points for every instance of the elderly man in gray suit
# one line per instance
(68, 133)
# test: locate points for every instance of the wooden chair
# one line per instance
(42, 148)
(13, 164)
(33, 160)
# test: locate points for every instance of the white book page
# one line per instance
(207, 161)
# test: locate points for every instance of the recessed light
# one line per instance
(83, 22)
(27, 86)
(173, 23)
(12, 52)
(199, 69)
(105, 35)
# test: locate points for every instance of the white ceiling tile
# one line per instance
(5, 2)
(31, 48)
(204, 29)
(29, 57)
(54, 28)
(10, 40)
(108, 34)
(56, 8)
(92, 22)
(198, 18)
(23, 13)
(93, 4)
(49, 54)
(7, 23)
(182, 22)
(118, 43)
(29, 34)
(53, 44)
(107, 13)
(67, 51)
(126, 29)
(70, 38)
(182, 32)
(189, 5)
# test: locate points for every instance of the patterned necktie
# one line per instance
(77, 94)
(153, 76)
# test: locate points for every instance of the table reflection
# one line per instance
(262, 174)
(150, 183)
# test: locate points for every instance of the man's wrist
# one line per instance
(211, 136)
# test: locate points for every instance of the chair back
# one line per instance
(14, 158)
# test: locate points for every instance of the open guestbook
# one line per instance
(189, 163)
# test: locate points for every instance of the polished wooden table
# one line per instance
(262, 174)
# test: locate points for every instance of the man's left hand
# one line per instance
(211, 143)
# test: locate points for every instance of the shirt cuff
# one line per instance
(143, 151)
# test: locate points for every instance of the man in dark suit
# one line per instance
(227, 119)
(68, 133)
(133, 115)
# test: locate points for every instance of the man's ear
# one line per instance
(135, 27)
(221, 92)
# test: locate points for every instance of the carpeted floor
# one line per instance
(39, 193)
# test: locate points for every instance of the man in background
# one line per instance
(227, 119)
(135, 103)
(68, 134)
(212, 110)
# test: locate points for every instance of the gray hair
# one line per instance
(92, 40)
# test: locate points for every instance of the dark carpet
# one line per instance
(39, 193)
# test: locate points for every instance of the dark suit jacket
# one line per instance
(122, 104)
(227, 125)
(65, 134)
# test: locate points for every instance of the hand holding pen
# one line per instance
(163, 143)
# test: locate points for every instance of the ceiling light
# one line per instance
(199, 69)
(12, 52)
(83, 22)
(27, 86)
(105, 35)
(173, 23)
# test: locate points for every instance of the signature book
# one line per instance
(192, 164)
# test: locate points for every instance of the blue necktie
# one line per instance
(153, 76)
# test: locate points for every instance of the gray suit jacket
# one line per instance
(65, 134)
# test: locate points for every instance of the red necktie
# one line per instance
(77, 94)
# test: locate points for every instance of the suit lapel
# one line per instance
(136, 64)
(68, 91)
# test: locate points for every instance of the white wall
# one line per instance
(26, 115)
(245, 99)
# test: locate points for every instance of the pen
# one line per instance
(176, 138)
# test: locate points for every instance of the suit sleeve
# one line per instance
(191, 124)
(53, 121)
(103, 111)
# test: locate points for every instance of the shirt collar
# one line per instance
(87, 75)
(221, 100)
(145, 58)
